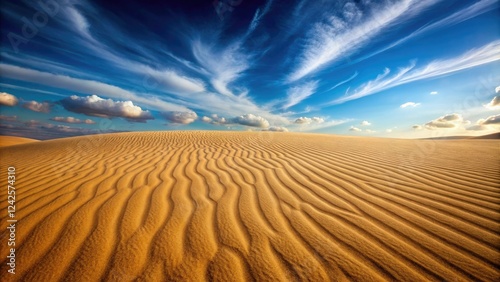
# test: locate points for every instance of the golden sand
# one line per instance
(244, 206)
(14, 140)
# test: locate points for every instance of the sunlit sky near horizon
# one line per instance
(403, 69)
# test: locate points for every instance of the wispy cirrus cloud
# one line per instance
(343, 34)
(467, 13)
(297, 94)
(259, 14)
(223, 65)
(344, 81)
(472, 58)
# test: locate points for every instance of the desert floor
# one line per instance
(243, 206)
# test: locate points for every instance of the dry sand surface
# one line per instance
(227, 206)
(14, 140)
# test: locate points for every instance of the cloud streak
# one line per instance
(297, 94)
(472, 58)
(344, 34)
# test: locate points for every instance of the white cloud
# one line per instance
(7, 99)
(434, 93)
(417, 127)
(370, 131)
(344, 81)
(276, 128)
(297, 94)
(251, 120)
(491, 123)
(467, 13)
(306, 120)
(344, 34)
(86, 86)
(354, 129)
(72, 120)
(43, 107)
(180, 117)
(494, 103)
(409, 105)
(215, 119)
(97, 106)
(388, 130)
(259, 14)
(173, 82)
(491, 120)
(447, 121)
(224, 66)
(365, 123)
(472, 58)
(315, 123)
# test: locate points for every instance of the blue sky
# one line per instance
(403, 69)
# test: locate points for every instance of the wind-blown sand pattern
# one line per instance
(222, 206)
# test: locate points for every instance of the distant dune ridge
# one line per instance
(244, 206)
(14, 140)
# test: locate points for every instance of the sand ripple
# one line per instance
(220, 206)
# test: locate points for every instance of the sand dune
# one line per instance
(253, 206)
(14, 140)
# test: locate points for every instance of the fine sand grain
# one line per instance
(253, 206)
(14, 140)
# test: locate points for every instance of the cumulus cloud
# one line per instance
(99, 107)
(434, 93)
(251, 120)
(495, 102)
(447, 121)
(43, 107)
(72, 120)
(365, 123)
(388, 130)
(354, 129)
(489, 123)
(417, 127)
(306, 120)
(180, 117)
(491, 120)
(276, 128)
(215, 119)
(86, 86)
(7, 99)
(409, 105)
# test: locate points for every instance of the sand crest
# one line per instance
(14, 140)
(253, 206)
